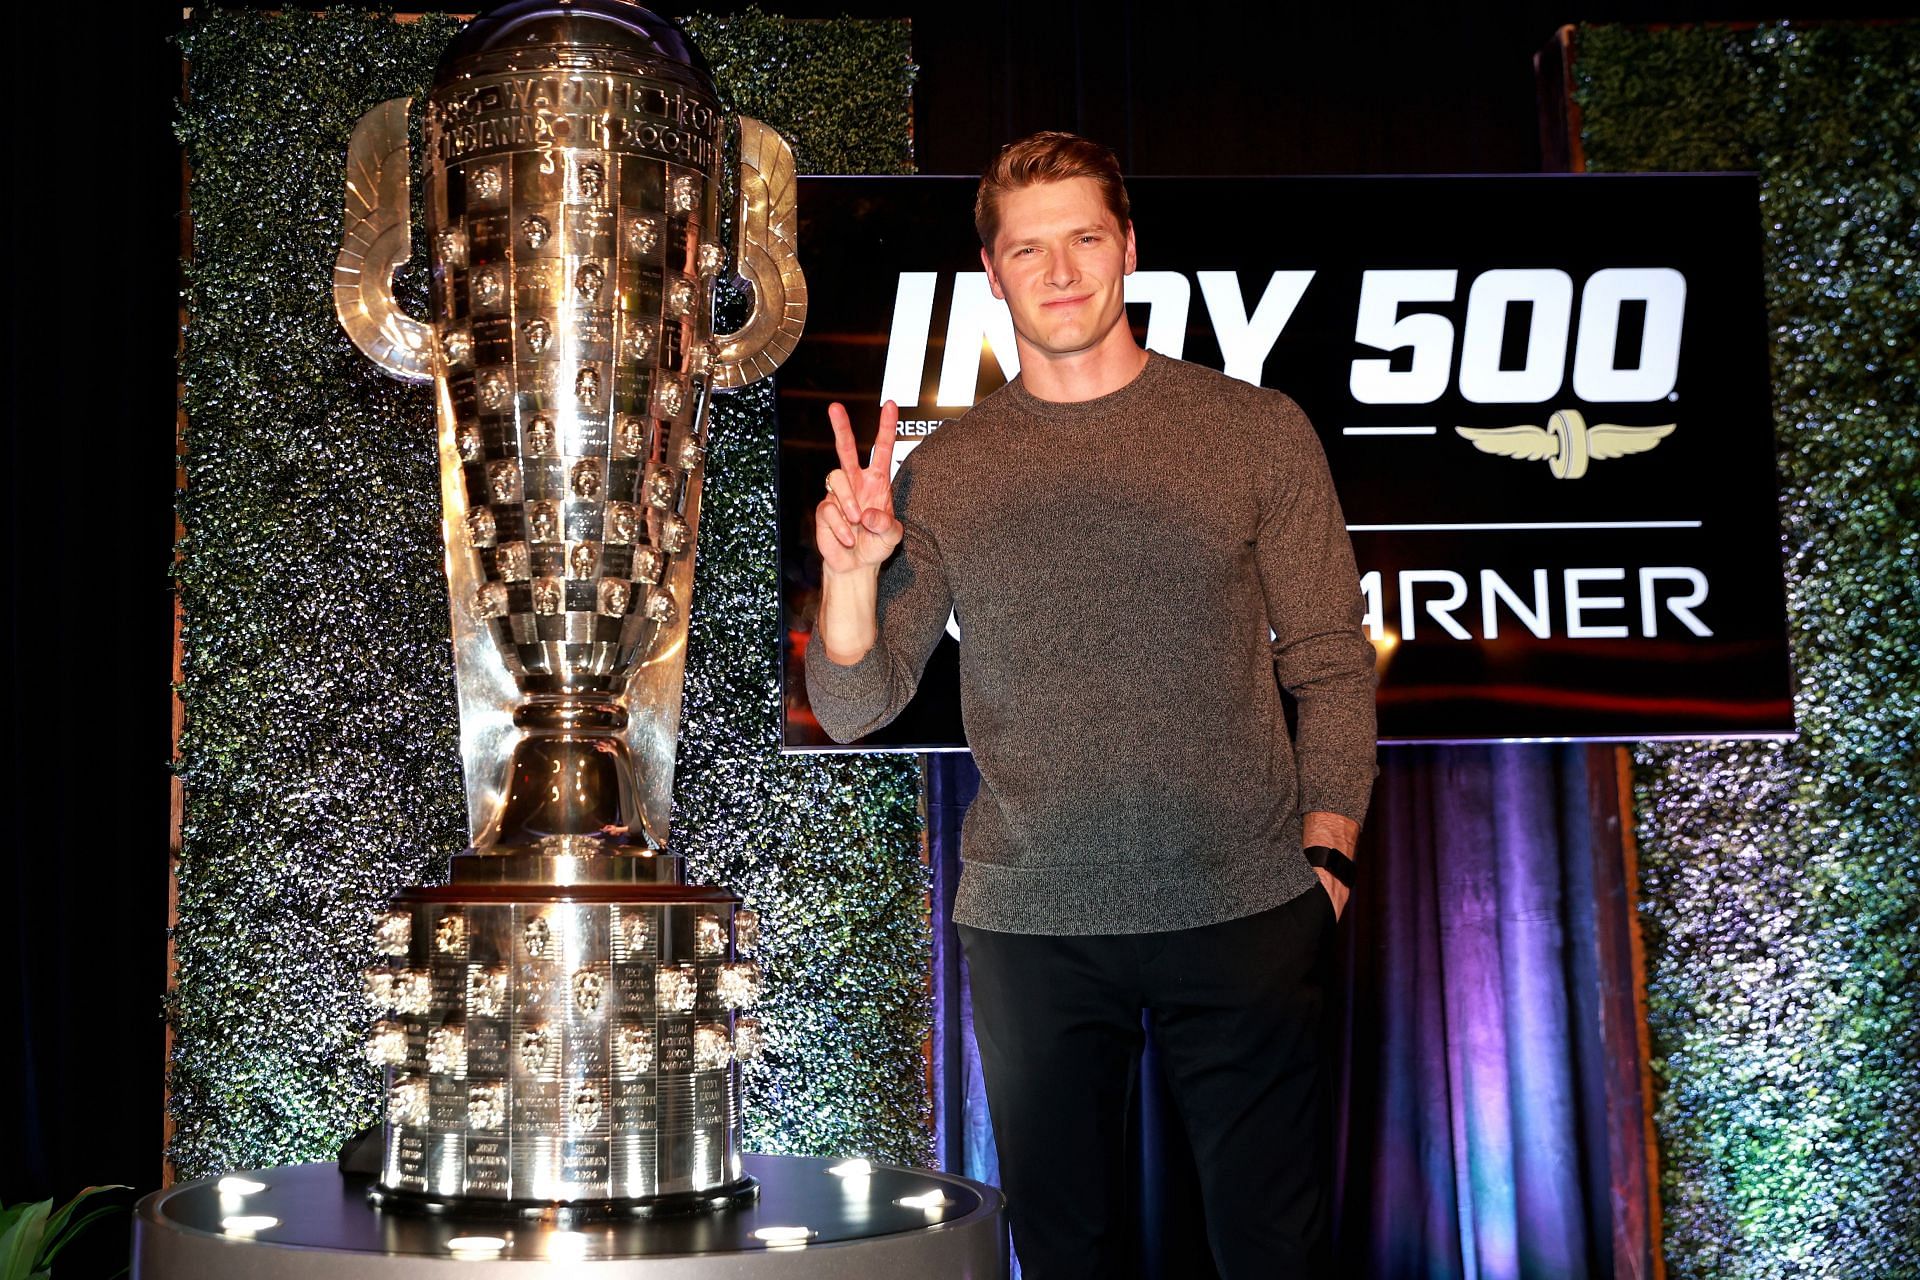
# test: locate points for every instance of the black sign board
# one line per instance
(1544, 400)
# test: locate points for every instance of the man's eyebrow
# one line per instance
(1091, 227)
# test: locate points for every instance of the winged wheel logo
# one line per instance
(1567, 443)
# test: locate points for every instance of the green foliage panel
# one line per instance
(1781, 882)
(321, 753)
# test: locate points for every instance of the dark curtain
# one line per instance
(88, 500)
(1488, 1105)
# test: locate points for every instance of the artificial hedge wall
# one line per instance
(320, 753)
(1780, 890)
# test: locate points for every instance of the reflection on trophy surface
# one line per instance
(560, 1025)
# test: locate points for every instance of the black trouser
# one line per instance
(1236, 1014)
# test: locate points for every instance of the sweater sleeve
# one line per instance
(1314, 607)
(913, 605)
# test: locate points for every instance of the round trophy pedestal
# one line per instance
(308, 1222)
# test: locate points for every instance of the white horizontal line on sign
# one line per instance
(1526, 524)
(1388, 431)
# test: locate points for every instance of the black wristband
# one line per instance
(1337, 864)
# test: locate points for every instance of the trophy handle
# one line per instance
(765, 256)
(377, 239)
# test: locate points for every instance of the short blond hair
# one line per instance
(1048, 156)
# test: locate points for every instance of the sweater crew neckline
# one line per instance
(1114, 401)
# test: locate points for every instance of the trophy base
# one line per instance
(564, 1047)
(676, 1204)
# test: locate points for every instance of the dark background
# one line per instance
(92, 234)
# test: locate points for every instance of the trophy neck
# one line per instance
(572, 811)
(579, 713)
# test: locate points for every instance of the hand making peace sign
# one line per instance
(854, 525)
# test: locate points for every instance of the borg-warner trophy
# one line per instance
(561, 1023)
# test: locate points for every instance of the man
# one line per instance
(1116, 533)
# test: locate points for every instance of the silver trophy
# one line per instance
(561, 1025)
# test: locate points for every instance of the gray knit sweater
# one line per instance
(1115, 566)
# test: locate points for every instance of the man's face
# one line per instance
(1060, 261)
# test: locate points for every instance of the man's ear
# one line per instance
(1132, 255)
(993, 277)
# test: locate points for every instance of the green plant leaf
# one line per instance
(25, 1224)
(57, 1233)
(52, 1244)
